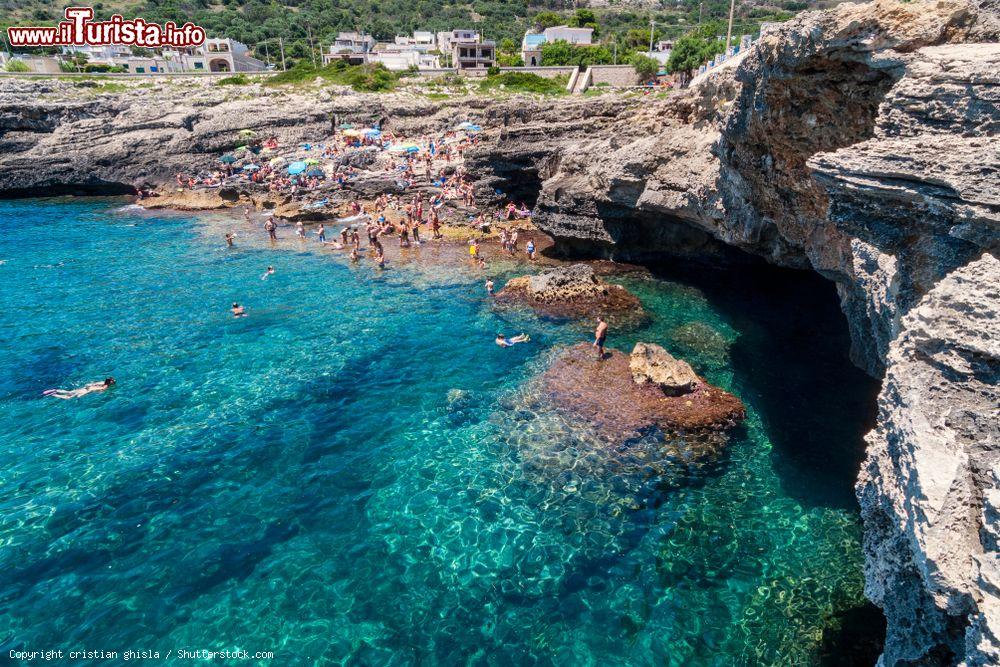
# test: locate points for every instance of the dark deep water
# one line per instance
(355, 474)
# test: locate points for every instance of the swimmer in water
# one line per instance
(354, 254)
(489, 287)
(238, 310)
(229, 239)
(511, 342)
(91, 388)
(269, 272)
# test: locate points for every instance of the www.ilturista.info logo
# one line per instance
(80, 30)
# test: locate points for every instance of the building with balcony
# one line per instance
(473, 55)
(350, 46)
(446, 38)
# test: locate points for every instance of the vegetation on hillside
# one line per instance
(306, 27)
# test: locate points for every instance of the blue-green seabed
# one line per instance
(355, 474)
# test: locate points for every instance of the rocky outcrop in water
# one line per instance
(603, 393)
(930, 487)
(573, 292)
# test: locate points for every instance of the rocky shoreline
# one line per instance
(857, 142)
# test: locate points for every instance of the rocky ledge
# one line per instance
(624, 396)
(573, 292)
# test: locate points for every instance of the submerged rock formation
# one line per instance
(573, 292)
(604, 394)
(930, 487)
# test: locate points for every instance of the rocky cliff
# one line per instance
(930, 487)
(858, 142)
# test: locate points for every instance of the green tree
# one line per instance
(585, 18)
(690, 52)
(645, 67)
(563, 53)
(545, 20)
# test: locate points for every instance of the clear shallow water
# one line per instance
(354, 473)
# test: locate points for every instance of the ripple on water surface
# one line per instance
(356, 473)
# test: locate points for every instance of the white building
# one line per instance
(421, 40)
(215, 55)
(564, 33)
(98, 54)
(400, 57)
(531, 49)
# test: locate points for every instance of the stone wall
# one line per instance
(544, 72)
(613, 75)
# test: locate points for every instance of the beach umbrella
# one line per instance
(315, 171)
(468, 127)
(405, 148)
(251, 167)
(277, 161)
(296, 168)
(311, 161)
(346, 126)
(371, 132)
(247, 133)
(227, 159)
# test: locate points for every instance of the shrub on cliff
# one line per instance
(363, 78)
(236, 80)
(16, 66)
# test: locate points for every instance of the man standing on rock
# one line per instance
(600, 334)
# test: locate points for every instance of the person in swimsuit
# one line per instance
(531, 250)
(321, 232)
(271, 227)
(238, 310)
(91, 388)
(229, 239)
(511, 342)
(269, 272)
(600, 335)
(489, 287)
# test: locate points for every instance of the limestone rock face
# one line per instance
(650, 363)
(930, 486)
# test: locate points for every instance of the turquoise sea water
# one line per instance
(355, 474)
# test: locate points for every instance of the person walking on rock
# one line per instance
(600, 335)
